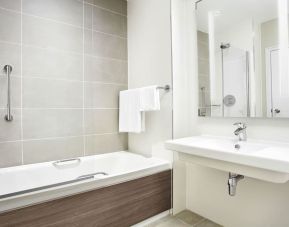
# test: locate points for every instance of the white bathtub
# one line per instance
(29, 184)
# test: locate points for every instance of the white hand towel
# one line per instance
(130, 116)
(149, 98)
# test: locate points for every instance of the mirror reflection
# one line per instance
(243, 58)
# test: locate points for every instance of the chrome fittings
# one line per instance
(232, 183)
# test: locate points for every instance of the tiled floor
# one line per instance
(184, 219)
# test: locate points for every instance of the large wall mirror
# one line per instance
(243, 58)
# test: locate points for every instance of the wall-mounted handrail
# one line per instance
(8, 69)
(46, 187)
(66, 161)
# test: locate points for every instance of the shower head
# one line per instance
(225, 45)
(196, 4)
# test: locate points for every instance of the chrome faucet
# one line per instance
(241, 131)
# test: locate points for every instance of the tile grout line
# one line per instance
(50, 19)
(87, 3)
(12, 10)
(56, 108)
(83, 82)
(108, 10)
(67, 80)
(21, 83)
(105, 33)
(62, 51)
(72, 25)
(59, 137)
(61, 22)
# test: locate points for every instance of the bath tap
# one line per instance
(241, 131)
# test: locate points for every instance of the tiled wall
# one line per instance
(69, 61)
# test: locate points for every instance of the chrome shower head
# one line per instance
(225, 45)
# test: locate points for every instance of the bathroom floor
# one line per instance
(184, 219)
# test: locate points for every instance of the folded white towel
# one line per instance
(149, 98)
(133, 104)
(130, 116)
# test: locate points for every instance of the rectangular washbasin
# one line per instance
(272, 157)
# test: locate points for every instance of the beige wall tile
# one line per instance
(204, 81)
(68, 11)
(11, 4)
(102, 95)
(11, 154)
(118, 6)
(45, 123)
(52, 149)
(10, 131)
(10, 24)
(124, 7)
(105, 70)
(100, 121)
(104, 45)
(43, 93)
(88, 17)
(107, 22)
(10, 54)
(101, 144)
(204, 67)
(40, 62)
(203, 50)
(202, 36)
(48, 34)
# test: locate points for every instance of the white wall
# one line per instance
(269, 38)
(258, 203)
(149, 57)
(183, 100)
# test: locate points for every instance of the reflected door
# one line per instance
(277, 86)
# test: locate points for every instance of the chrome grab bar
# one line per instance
(8, 69)
(87, 176)
(45, 187)
(60, 162)
(77, 180)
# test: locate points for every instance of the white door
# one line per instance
(277, 87)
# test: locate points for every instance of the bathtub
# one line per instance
(25, 185)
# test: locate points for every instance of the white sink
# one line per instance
(254, 158)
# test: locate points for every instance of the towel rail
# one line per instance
(166, 88)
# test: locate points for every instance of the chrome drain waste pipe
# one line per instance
(232, 183)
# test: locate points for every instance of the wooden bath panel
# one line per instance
(118, 205)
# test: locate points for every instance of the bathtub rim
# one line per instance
(36, 197)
